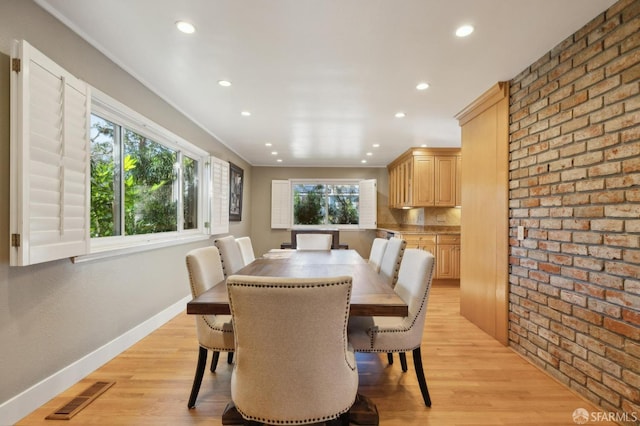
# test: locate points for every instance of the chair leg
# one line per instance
(390, 358)
(197, 380)
(403, 361)
(229, 357)
(417, 362)
(214, 361)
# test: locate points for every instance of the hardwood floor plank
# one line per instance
(472, 379)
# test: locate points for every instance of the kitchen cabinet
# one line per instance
(444, 247)
(448, 257)
(424, 177)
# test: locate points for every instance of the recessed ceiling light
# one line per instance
(224, 83)
(274, 152)
(369, 154)
(186, 27)
(464, 30)
(424, 145)
(363, 161)
(268, 144)
(245, 113)
(400, 114)
(279, 160)
(422, 86)
(376, 145)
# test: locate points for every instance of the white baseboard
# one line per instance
(27, 401)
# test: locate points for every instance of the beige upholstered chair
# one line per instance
(215, 332)
(293, 364)
(230, 254)
(391, 259)
(246, 250)
(377, 251)
(395, 334)
(313, 241)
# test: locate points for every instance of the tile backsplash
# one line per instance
(432, 216)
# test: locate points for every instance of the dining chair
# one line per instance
(215, 332)
(397, 334)
(314, 241)
(293, 364)
(391, 259)
(246, 249)
(377, 251)
(230, 254)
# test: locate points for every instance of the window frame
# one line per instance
(110, 109)
(282, 205)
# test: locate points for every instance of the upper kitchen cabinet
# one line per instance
(425, 177)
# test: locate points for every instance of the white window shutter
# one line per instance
(50, 160)
(280, 204)
(218, 196)
(368, 204)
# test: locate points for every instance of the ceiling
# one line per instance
(323, 79)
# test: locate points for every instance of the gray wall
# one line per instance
(55, 313)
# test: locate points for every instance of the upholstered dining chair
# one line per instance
(246, 249)
(391, 259)
(215, 332)
(314, 241)
(396, 334)
(377, 251)
(230, 254)
(310, 374)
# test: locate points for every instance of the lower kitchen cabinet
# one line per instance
(445, 248)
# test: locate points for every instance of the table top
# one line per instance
(370, 294)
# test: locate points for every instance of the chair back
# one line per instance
(246, 250)
(391, 259)
(377, 251)
(314, 241)
(230, 254)
(413, 286)
(293, 364)
(205, 271)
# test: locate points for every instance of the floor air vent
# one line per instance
(74, 406)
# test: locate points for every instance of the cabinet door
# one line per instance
(448, 264)
(423, 180)
(445, 180)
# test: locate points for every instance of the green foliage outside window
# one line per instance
(324, 204)
(147, 195)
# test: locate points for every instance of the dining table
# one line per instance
(371, 295)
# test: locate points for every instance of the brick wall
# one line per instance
(575, 187)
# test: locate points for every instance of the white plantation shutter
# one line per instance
(50, 167)
(219, 196)
(368, 204)
(280, 204)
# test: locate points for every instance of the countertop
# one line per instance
(419, 229)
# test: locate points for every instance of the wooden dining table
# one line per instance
(371, 295)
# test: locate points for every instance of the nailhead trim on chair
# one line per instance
(346, 320)
(422, 306)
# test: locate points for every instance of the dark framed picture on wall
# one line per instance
(236, 181)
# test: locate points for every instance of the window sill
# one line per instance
(137, 247)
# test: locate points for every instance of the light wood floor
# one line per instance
(473, 380)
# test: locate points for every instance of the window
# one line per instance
(325, 204)
(94, 176)
(321, 203)
(135, 183)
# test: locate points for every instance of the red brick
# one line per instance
(622, 269)
(622, 328)
(623, 151)
(607, 225)
(631, 241)
(626, 120)
(622, 63)
(623, 92)
(605, 169)
(623, 299)
(604, 86)
(609, 197)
